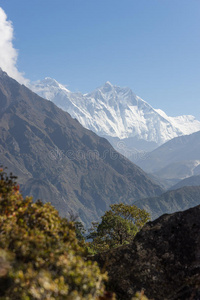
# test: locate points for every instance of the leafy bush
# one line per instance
(40, 257)
(118, 227)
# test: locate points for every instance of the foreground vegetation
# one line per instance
(40, 255)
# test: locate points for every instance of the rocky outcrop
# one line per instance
(163, 259)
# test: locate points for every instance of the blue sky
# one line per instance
(151, 46)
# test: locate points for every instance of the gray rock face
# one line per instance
(163, 259)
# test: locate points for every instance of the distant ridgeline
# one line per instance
(174, 161)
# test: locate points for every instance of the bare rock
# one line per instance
(163, 259)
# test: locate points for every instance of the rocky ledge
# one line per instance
(163, 259)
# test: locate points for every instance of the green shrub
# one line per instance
(40, 257)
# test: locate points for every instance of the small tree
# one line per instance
(118, 226)
(80, 230)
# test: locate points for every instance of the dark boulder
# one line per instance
(163, 259)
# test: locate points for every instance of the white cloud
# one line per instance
(8, 54)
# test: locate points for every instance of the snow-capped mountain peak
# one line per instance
(107, 83)
(117, 112)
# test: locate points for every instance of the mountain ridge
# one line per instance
(189, 181)
(171, 201)
(182, 151)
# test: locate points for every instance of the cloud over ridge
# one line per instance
(8, 54)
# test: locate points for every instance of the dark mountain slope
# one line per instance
(163, 259)
(58, 160)
(171, 201)
(190, 181)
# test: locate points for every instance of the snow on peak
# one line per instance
(161, 112)
(48, 81)
(108, 83)
(113, 111)
(107, 87)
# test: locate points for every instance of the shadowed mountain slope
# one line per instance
(58, 160)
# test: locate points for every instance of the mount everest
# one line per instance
(118, 114)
